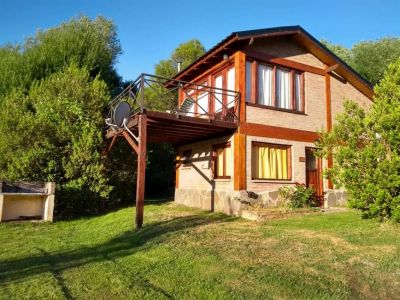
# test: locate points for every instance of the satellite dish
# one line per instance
(122, 111)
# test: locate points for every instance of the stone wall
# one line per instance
(335, 198)
(226, 201)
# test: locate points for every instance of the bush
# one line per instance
(299, 196)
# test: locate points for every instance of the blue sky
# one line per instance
(150, 30)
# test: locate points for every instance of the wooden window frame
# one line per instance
(278, 146)
(215, 160)
(254, 87)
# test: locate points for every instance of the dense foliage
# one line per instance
(53, 93)
(366, 150)
(369, 58)
(298, 196)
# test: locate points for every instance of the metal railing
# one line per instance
(156, 93)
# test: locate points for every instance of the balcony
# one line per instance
(177, 112)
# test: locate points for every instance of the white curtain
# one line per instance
(231, 86)
(218, 94)
(248, 81)
(265, 85)
(297, 83)
(283, 88)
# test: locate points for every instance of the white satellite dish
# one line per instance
(121, 112)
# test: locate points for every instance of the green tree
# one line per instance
(92, 44)
(54, 133)
(369, 58)
(366, 150)
(342, 52)
(186, 53)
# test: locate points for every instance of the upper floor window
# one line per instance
(274, 86)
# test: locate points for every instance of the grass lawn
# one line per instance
(187, 253)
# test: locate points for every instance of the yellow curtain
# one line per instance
(220, 160)
(228, 161)
(270, 162)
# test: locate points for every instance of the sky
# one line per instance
(150, 30)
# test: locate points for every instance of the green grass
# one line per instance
(187, 253)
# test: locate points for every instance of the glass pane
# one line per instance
(218, 94)
(264, 85)
(231, 86)
(248, 81)
(297, 86)
(283, 88)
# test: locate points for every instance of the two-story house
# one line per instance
(291, 87)
(249, 112)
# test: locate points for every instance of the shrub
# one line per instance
(298, 197)
(365, 147)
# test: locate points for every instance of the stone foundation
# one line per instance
(335, 198)
(226, 201)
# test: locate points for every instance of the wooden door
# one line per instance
(314, 174)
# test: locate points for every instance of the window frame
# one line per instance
(277, 146)
(215, 160)
(254, 101)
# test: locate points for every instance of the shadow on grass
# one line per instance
(128, 243)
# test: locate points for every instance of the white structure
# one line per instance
(27, 204)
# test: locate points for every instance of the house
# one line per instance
(249, 112)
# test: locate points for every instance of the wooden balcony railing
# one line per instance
(156, 93)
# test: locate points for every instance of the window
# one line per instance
(264, 85)
(224, 80)
(202, 100)
(222, 161)
(275, 86)
(270, 161)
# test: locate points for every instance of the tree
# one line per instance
(366, 150)
(91, 44)
(54, 133)
(369, 58)
(186, 53)
(54, 88)
(342, 52)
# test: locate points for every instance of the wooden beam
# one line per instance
(265, 57)
(239, 162)
(141, 170)
(328, 103)
(130, 141)
(240, 82)
(279, 132)
(331, 68)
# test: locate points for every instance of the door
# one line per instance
(314, 174)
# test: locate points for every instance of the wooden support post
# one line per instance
(239, 163)
(239, 139)
(328, 117)
(141, 170)
(240, 81)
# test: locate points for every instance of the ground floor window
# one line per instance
(271, 161)
(222, 161)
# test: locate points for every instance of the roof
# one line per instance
(237, 39)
